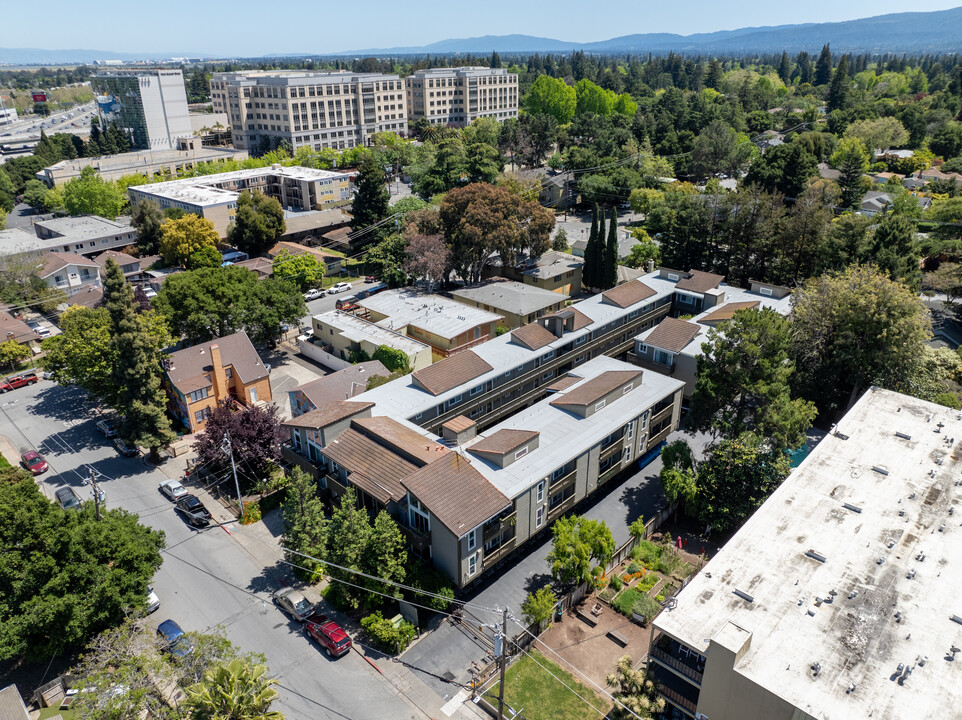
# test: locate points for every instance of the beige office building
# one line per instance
(459, 96)
(309, 109)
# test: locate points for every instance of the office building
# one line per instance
(150, 106)
(308, 109)
(839, 597)
(215, 196)
(459, 96)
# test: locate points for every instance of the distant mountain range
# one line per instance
(909, 32)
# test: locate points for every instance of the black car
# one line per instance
(193, 511)
(68, 498)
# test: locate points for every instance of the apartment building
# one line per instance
(341, 334)
(215, 196)
(839, 597)
(518, 303)
(150, 106)
(459, 96)
(309, 109)
(557, 271)
(84, 235)
(341, 385)
(199, 377)
(674, 345)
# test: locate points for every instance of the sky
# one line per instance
(250, 28)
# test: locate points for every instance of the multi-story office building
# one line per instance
(458, 96)
(309, 109)
(215, 196)
(839, 597)
(149, 105)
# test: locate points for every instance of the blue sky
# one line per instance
(252, 28)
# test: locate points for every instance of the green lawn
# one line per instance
(530, 690)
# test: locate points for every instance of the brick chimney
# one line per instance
(221, 389)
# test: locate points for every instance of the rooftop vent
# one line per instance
(816, 556)
(748, 598)
(853, 508)
(880, 470)
(903, 436)
(956, 618)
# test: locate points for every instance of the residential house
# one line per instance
(556, 271)
(199, 377)
(341, 385)
(14, 328)
(130, 266)
(69, 272)
(332, 263)
(518, 303)
(264, 267)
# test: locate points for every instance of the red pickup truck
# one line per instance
(328, 634)
(18, 381)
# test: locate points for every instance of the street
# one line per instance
(209, 579)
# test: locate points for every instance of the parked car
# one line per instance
(153, 602)
(18, 381)
(34, 462)
(346, 303)
(373, 290)
(314, 294)
(108, 426)
(68, 498)
(173, 489)
(125, 449)
(293, 603)
(370, 279)
(339, 288)
(329, 635)
(193, 511)
(175, 641)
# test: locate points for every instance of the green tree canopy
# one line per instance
(205, 257)
(237, 690)
(851, 159)
(784, 168)
(371, 197)
(551, 96)
(576, 541)
(539, 605)
(90, 194)
(258, 224)
(181, 238)
(305, 523)
(303, 269)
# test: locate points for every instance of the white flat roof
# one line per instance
(203, 190)
(359, 330)
(85, 227)
(431, 313)
(868, 502)
(511, 296)
(564, 435)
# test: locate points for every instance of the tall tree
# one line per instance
(823, 66)
(851, 159)
(349, 538)
(743, 381)
(237, 690)
(258, 224)
(182, 237)
(137, 369)
(838, 91)
(610, 268)
(427, 258)
(551, 96)
(784, 168)
(255, 437)
(854, 329)
(893, 249)
(90, 194)
(714, 75)
(495, 61)
(305, 523)
(590, 273)
(147, 219)
(785, 69)
(718, 149)
(303, 269)
(385, 556)
(576, 541)
(371, 197)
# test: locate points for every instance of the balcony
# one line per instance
(491, 558)
(678, 700)
(616, 448)
(609, 473)
(562, 507)
(677, 664)
(418, 539)
(505, 525)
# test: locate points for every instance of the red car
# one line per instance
(34, 462)
(329, 635)
(18, 381)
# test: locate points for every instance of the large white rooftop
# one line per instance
(511, 296)
(563, 433)
(359, 330)
(853, 563)
(431, 313)
(85, 227)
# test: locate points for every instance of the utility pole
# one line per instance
(503, 660)
(93, 484)
(229, 450)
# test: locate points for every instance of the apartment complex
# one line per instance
(674, 345)
(341, 385)
(518, 303)
(308, 109)
(199, 377)
(150, 106)
(215, 196)
(459, 96)
(84, 235)
(342, 334)
(839, 597)
(145, 162)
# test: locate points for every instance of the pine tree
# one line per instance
(823, 66)
(141, 398)
(713, 77)
(785, 68)
(610, 266)
(372, 198)
(838, 90)
(348, 540)
(305, 523)
(386, 555)
(495, 59)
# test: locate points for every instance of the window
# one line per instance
(477, 333)
(229, 372)
(765, 291)
(521, 453)
(472, 565)
(631, 430)
(201, 415)
(476, 390)
(472, 539)
(541, 491)
(663, 358)
(600, 405)
(253, 394)
(455, 400)
(627, 388)
(628, 454)
(539, 519)
(672, 276)
(642, 349)
(198, 395)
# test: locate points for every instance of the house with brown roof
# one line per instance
(341, 385)
(69, 272)
(130, 266)
(226, 369)
(556, 271)
(13, 328)
(332, 263)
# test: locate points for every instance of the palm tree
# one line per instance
(636, 694)
(239, 690)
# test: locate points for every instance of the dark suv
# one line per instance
(193, 511)
(68, 498)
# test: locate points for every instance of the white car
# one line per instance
(173, 489)
(340, 287)
(313, 294)
(153, 602)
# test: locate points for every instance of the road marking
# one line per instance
(452, 705)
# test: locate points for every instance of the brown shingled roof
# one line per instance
(581, 320)
(343, 384)
(627, 294)
(699, 282)
(563, 383)
(13, 328)
(451, 372)
(370, 466)
(458, 424)
(533, 336)
(503, 441)
(400, 438)
(456, 493)
(596, 388)
(672, 334)
(189, 368)
(727, 311)
(328, 415)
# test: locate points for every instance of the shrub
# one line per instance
(647, 582)
(607, 594)
(647, 553)
(626, 601)
(358, 356)
(615, 583)
(660, 598)
(633, 568)
(646, 607)
(430, 579)
(252, 513)
(637, 528)
(385, 635)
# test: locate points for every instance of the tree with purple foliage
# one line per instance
(255, 436)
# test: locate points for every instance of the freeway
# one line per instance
(210, 578)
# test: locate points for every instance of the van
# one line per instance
(348, 302)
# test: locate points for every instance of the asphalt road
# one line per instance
(209, 578)
(31, 126)
(326, 303)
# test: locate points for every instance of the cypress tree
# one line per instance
(838, 90)
(785, 68)
(588, 270)
(610, 276)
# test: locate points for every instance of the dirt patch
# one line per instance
(590, 649)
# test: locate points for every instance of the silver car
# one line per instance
(173, 489)
(293, 603)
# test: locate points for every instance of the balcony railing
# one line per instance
(500, 528)
(490, 558)
(562, 507)
(678, 700)
(419, 540)
(609, 473)
(615, 449)
(676, 664)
